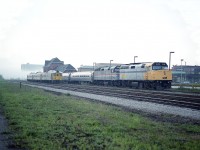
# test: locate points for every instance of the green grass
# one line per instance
(182, 89)
(41, 120)
(190, 85)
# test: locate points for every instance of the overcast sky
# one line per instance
(81, 32)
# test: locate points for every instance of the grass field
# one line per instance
(42, 120)
(193, 88)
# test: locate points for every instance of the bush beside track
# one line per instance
(42, 120)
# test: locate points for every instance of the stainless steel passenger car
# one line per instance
(30, 77)
(66, 77)
(36, 76)
(80, 77)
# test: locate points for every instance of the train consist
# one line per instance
(154, 75)
(50, 76)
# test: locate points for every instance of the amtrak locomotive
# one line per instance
(151, 75)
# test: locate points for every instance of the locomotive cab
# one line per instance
(54, 76)
(159, 75)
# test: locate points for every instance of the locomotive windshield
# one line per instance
(159, 66)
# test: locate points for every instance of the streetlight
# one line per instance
(134, 58)
(94, 65)
(170, 58)
(110, 62)
(185, 71)
(181, 69)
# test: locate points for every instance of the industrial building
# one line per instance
(186, 74)
(31, 67)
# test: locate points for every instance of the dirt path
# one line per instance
(3, 139)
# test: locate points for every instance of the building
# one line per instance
(31, 67)
(83, 68)
(56, 64)
(185, 73)
(66, 68)
(52, 64)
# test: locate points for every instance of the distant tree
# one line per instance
(1, 77)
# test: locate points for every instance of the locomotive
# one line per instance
(147, 75)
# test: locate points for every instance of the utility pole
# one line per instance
(170, 58)
(134, 58)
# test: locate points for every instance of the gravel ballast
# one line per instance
(149, 107)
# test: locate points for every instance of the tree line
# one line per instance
(1, 77)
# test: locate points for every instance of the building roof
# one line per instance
(53, 61)
(86, 67)
(66, 67)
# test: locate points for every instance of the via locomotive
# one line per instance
(153, 75)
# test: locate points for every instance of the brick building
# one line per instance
(56, 64)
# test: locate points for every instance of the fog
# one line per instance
(83, 32)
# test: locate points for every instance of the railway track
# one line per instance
(185, 100)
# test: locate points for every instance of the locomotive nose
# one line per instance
(159, 75)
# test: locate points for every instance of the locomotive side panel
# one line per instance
(132, 73)
(106, 74)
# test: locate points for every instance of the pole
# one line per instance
(170, 59)
(181, 70)
(185, 71)
(110, 62)
(134, 58)
(94, 65)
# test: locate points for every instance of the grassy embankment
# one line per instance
(41, 120)
(183, 88)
